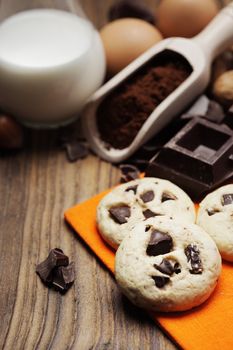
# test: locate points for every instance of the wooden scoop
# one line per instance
(198, 51)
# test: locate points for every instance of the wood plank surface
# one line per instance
(36, 186)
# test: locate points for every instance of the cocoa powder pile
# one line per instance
(123, 112)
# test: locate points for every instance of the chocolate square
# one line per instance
(198, 159)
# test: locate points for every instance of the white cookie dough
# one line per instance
(215, 215)
(141, 279)
(162, 198)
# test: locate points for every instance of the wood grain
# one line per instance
(36, 186)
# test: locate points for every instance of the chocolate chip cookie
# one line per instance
(138, 200)
(164, 265)
(215, 215)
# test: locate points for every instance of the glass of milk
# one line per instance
(51, 61)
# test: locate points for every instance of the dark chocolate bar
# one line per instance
(198, 158)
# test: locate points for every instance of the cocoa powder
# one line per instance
(123, 112)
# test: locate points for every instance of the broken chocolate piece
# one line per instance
(160, 281)
(149, 214)
(193, 255)
(147, 196)
(168, 196)
(76, 150)
(63, 277)
(227, 199)
(132, 188)
(160, 243)
(130, 8)
(215, 112)
(55, 258)
(120, 214)
(56, 271)
(168, 267)
(211, 212)
(128, 173)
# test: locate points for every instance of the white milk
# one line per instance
(50, 62)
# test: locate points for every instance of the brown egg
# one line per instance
(125, 39)
(185, 18)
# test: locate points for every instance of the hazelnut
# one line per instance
(223, 88)
(11, 133)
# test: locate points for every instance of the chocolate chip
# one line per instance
(211, 212)
(160, 281)
(128, 173)
(149, 214)
(177, 268)
(132, 188)
(160, 243)
(168, 267)
(120, 214)
(147, 196)
(55, 258)
(63, 277)
(168, 196)
(193, 255)
(148, 227)
(227, 199)
(130, 8)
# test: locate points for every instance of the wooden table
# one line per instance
(36, 186)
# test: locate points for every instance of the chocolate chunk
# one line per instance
(211, 212)
(193, 255)
(132, 188)
(56, 271)
(160, 243)
(63, 277)
(130, 8)
(168, 267)
(148, 227)
(160, 281)
(55, 258)
(168, 196)
(128, 173)
(215, 112)
(147, 196)
(149, 214)
(76, 150)
(75, 146)
(227, 199)
(120, 214)
(198, 108)
(204, 107)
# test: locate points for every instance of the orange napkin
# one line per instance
(208, 327)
